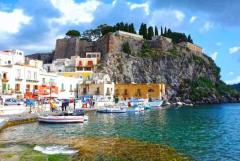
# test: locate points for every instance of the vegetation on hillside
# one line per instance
(236, 86)
(203, 87)
(73, 33)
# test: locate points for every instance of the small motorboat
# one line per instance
(112, 110)
(76, 116)
(153, 104)
(135, 109)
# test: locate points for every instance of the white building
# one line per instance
(10, 57)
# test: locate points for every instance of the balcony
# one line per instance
(32, 81)
(5, 79)
(18, 79)
(18, 92)
(97, 92)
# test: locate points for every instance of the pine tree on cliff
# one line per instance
(165, 30)
(126, 27)
(161, 30)
(132, 28)
(169, 31)
(156, 31)
(150, 33)
(189, 39)
(121, 26)
(143, 31)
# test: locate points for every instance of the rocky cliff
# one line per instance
(178, 67)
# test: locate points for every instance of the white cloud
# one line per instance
(234, 49)
(75, 13)
(11, 22)
(234, 81)
(192, 19)
(214, 56)
(207, 26)
(167, 17)
(231, 73)
(144, 6)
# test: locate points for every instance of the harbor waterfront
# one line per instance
(207, 132)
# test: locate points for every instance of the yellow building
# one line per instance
(85, 75)
(144, 90)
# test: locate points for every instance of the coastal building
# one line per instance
(53, 85)
(75, 66)
(192, 47)
(100, 85)
(10, 57)
(143, 90)
(19, 79)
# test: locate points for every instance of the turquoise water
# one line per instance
(203, 133)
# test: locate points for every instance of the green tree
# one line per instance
(189, 39)
(73, 33)
(156, 31)
(150, 33)
(132, 28)
(169, 31)
(126, 27)
(161, 30)
(165, 30)
(126, 48)
(143, 31)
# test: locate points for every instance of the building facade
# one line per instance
(100, 85)
(144, 90)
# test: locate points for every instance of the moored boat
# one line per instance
(76, 116)
(112, 110)
(62, 119)
(153, 104)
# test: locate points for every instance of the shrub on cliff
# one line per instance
(126, 48)
(73, 33)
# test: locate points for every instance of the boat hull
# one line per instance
(111, 111)
(62, 119)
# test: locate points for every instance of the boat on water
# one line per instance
(154, 104)
(66, 117)
(135, 109)
(112, 110)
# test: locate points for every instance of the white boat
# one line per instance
(135, 109)
(155, 103)
(112, 110)
(63, 119)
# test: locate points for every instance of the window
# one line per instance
(43, 81)
(28, 75)
(150, 90)
(35, 75)
(9, 62)
(125, 92)
(17, 87)
(71, 88)
(62, 88)
(48, 68)
(97, 91)
(138, 92)
(28, 88)
(18, 73)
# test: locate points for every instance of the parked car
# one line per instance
(12, 101)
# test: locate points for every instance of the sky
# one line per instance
(34, 25)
